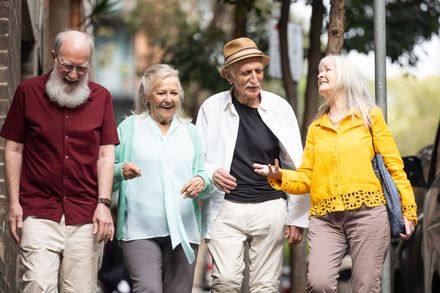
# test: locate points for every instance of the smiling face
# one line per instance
(327, 80)
(165, 100)
(73, 57)
(247, 77)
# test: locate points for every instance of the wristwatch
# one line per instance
(107, 202)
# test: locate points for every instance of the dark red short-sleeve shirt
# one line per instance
(61, 146)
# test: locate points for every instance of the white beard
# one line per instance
(65, 94)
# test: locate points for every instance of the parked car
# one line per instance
(416, 262)
(431, 223)
(406, 256)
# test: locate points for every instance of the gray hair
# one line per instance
(151, 79)
(60, 37)
(350, 82)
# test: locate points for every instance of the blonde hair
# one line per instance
(350, 82)
(152, 79)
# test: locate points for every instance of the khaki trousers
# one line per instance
(262, 226)
(59, 257)
(363, 233)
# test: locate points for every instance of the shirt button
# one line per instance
(67, 116)
(66, 136)
(67, 157)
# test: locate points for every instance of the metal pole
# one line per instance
(380, 55)
(381, 97)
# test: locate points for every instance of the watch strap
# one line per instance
(106, 201)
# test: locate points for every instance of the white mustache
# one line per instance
(251, 85)
(70, 80)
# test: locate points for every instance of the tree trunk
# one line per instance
(290, 86)
(298, 266)
(336, 27)
(240, 20)
(314, 56)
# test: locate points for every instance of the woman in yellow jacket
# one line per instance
(348, 212)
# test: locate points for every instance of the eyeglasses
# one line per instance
(80, 69)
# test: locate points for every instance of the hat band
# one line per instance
(241, 53)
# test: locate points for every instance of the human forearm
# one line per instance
(13, 162)
(385, 145)
(292, 182)
(105, 170)
(102, 219)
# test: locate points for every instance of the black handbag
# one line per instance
(392, 195)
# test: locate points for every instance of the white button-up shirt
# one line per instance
(218, 122)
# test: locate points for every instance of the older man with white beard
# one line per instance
(60, 135)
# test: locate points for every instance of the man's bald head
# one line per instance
(75, 40)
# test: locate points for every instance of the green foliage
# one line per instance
(413, 111)
(195, 51)
(196, 55)
(161, 21)
(409, 22)
(101, 9)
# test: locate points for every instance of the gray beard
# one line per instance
(67, 95)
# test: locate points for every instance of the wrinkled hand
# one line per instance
(103, 224)
(269, 170)
(223, 180)
(15, 218)
(193, 187)
(409, 229)
(293, 234)
(130, 171)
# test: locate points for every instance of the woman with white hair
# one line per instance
(160, 174)
(348, 212)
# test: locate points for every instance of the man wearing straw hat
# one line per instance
(242, 126)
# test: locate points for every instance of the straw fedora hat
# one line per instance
(239, 49)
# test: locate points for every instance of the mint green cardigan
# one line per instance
(123, 154)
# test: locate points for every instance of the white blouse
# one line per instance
(166, 164)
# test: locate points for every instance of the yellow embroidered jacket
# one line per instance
(336, 166)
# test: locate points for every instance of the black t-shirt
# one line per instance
(255, 144)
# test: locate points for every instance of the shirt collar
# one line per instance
(264, 104)
(324, 121)
(175, 123)
(228, 104)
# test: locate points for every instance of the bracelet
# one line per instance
(107, 202)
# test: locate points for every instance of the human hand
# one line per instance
(293, 234)
(268, 170)
(193, 187)
(409, 229)
(223, 180)
(130, 171)
(103, 224)
(15, 218)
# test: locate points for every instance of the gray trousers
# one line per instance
(155, 267)
(364, 233)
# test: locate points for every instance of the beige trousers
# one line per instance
(59, 257)
(262, 226)
(363, 233)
